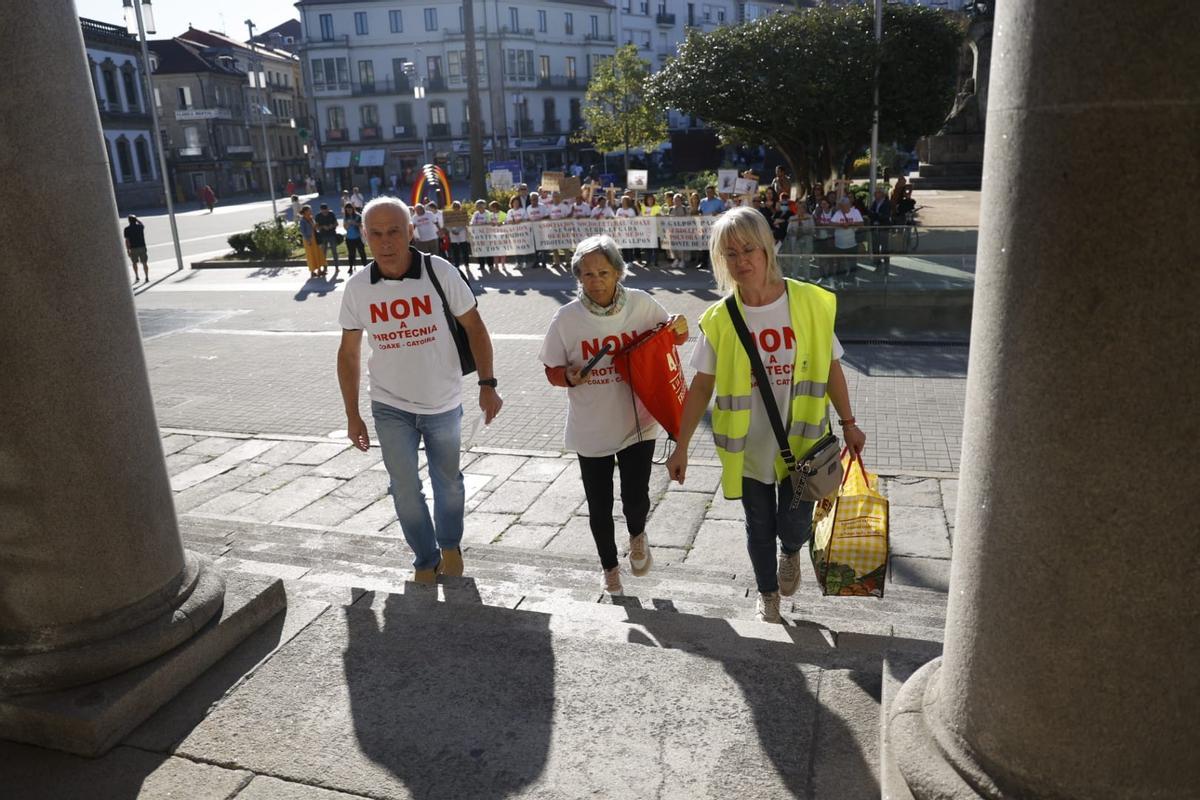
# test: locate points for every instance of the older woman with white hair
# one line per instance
(791, 325)
(606, 423)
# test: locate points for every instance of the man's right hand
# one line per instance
(356, 431)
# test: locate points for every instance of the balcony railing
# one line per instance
(523, 127)
(576, 124)
(466, 129)
(369, 133)
(337, 134)
(436, 83)
(439, 129)
(460, 33)
(559, 82)
(507, 31)
(333, 86)
(332, 41)
(551, 126)
(598, 37)
(405, 132)
(665, 19)
(386, 85)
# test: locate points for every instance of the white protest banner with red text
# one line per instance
(501, 240)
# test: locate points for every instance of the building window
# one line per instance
(437, 113)
(157, 98)
(124, 160)
(644, 39)
(318, 73)
(433, 68)
(337, 117)
(595, 25)
(326, 27)
(644, 8)
(131, 93)
(396, 21)
(191, 136)
(720, 15)
(360, 23)
(570, 66)
(576, 116)
(142, 149)
(404, 116)
(343, 71)
(549, 122)
(514, 19)
(520, 64)
(431, 19)
(627, 6)
(366, 75)
(543, 66)
(185, 97)
(569, 23)
(401, 69)
(541, 21)
(370, 116)
(627, 35)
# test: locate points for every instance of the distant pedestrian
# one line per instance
(416, 381)
(209, 197)
(290, 188)
(375, 182)
(425, 230)
(135, 246)
(352, 222)
(314, 254)
(310, 185)
(294, 209)
(327, 235)
(356, 197)
(460, 246)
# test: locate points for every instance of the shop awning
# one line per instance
(371, 158)
(337, 159)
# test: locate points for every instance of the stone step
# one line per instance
(560, 702)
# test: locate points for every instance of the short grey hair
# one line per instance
(602, 243)
(391, 202)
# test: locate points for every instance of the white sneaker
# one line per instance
(612, 582)
(640, 558)
(789, 573)
(768, 607)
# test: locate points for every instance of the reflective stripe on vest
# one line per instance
(806, 430)
(730, 444)
(808, 389)
(730, 402)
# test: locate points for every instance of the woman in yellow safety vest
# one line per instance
(791, 324)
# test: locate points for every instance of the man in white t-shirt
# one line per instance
(537, 211)
(845, 241)
(425, 229)
(415, 379)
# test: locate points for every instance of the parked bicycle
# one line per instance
(911, 235)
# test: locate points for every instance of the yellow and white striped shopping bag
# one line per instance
(849, 545)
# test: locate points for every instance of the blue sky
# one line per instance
(173, 16)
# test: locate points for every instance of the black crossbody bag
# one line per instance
(461, 341)
(816, 474)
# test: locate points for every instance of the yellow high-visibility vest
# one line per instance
(812, 311)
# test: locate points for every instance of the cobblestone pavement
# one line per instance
(324, 488)
(252, 352)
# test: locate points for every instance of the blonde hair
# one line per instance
(743, 226)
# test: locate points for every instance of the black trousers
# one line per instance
(356, 246)
(460, 253)
(634, 462)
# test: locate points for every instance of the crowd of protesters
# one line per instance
(820, 232)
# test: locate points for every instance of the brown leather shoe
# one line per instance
(452, 563)
(427, 577)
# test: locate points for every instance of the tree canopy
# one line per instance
(803, 82)
(615, 110)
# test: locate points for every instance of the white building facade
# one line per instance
(368, 63)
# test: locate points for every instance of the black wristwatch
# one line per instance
(488, 382)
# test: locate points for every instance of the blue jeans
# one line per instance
(769, 517)
(399, 433)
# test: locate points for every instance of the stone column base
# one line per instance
(931, 760)
(89, 720)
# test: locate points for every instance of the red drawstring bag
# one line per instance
(653, 371)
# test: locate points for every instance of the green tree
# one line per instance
(615, 113)
(802, 82)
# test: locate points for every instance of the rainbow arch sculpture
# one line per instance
(431, 174)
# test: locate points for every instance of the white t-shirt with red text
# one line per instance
(424, 227)
(771, 327)
(600, 413)
(414, 363)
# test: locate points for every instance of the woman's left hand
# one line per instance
(856, 440)
(678, 322)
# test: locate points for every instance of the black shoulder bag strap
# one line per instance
(760, 375)
(461, 342)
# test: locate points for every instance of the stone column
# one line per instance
(93, 575)
(1072, 665)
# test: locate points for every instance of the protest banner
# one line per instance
(501, 240)
(684, 233)
(726, 179)
(455, 219)
(501, 179)
(637, 179)
(556, 234)
(552, 181)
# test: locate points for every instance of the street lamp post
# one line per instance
(518, 100)
(142, 26)
(263, 110)
(419, 94)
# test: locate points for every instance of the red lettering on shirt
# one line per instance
(401, 308)
(591, 347)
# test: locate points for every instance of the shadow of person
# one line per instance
(452, 699)
(799, 698)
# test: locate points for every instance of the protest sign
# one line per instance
(637, 179)
(726, 178)
(745, 186)
(569, 188)
(501, 240)
(552, 181)
(557, 234)
(501, 179)
(455, 219)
